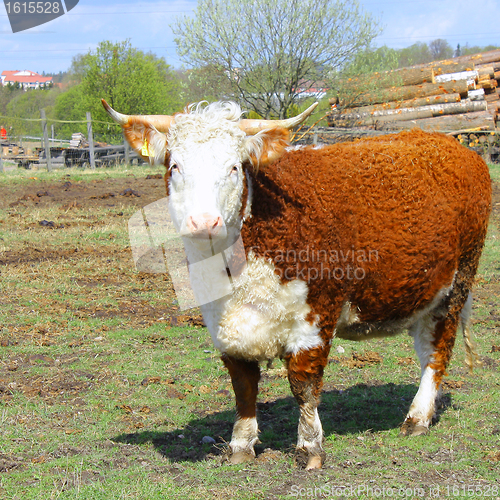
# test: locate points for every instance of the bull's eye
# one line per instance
(234, 174)
(175, 174)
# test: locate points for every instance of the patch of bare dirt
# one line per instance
(356, 360)
(9, 462)
(137, 191)
(61, 384)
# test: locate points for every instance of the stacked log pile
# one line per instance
(460, 94)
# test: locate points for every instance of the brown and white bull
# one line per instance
(355, 241)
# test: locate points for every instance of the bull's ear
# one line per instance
(146, 140)
(267, 146)
(141, 132)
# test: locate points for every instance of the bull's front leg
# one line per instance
(305, 373)
(245, 377)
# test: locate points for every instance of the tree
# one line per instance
(7, 93)
(70, 106)
(206, 83)
(418, 53)
(130, 80)
(467, 50)
(27, 105)
(269, 51)
(440, 49)
(371, 60)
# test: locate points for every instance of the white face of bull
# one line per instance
(206, 183)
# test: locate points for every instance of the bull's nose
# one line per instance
(204, 225)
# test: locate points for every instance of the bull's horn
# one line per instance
(117, 117)
(160, 122)
(253, 126)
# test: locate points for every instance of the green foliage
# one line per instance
(284, 50)
(267, 51)
(27, 104)
(467, 50)
(57, 77)
(7, 93)
(69, 106)
(130, 80)
(207, 83)
(373, 60)
(418, 53)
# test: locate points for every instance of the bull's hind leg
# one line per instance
(434, 337)
(245, 377)
(305, 373)
(423, 406)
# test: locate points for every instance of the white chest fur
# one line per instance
(264, 318)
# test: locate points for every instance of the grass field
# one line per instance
(107, 389)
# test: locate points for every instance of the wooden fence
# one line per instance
(12, 149)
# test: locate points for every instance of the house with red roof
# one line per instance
(27, 79)
(308, 88)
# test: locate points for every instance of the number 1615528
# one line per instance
(33, 7)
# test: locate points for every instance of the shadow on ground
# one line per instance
(359, 409)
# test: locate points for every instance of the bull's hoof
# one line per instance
(240, 457)
(314, 462)
(308, 461)
(419, 430)
(412, 428)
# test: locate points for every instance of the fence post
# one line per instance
(52, 131)
(91, 140)
(46, 139)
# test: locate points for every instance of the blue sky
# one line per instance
(51, 47)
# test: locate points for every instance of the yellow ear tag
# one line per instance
(145, 150)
